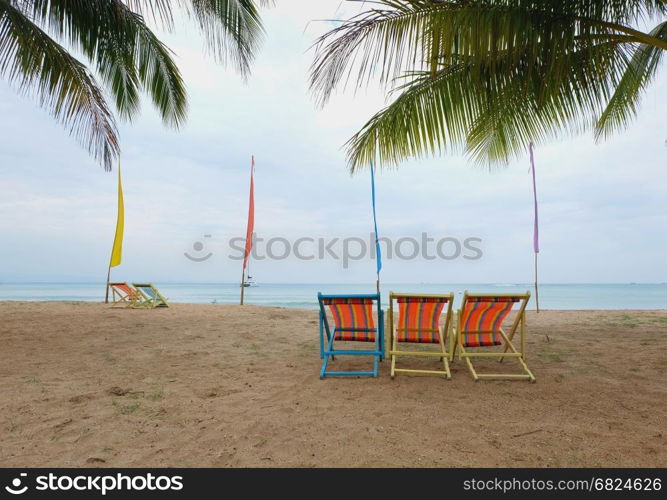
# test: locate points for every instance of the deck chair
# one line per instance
(353, 322)
(479, 324)
(123, 295)
(419, 323)
(151, 296)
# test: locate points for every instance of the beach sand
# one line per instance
(197, 385)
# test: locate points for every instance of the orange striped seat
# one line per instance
(123, 295)
(124, 287)
(353, 318)
(419, 318)
(482, 318)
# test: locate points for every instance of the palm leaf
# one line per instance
(485, 76)
(232, 29)
(491, 112)
(34, 62)
(641, 70)
(126, 53)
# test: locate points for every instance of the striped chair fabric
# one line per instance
(482, 318)
(128, 292)
(353, 318)
(419, 318)
(124, 287)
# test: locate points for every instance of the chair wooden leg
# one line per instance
(394, 347)
(527, 370)
(445, 354)
(472, 369)
(446, 365)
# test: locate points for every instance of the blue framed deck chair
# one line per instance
(353, 322)
(151, 296)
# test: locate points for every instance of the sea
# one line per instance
(304, 296)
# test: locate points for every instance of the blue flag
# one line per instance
(375, 223)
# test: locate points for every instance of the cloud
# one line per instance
(602, 207)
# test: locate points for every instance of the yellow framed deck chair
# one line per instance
(419, 323)
(151, 296)
(123, 295)
(479, 325)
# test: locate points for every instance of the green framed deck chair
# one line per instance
(124, 295)
(419, 323)
(353, 322)
(151, 296)
(479, 325)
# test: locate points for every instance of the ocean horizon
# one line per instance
(559, 296)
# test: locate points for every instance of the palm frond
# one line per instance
(159, 11)
(485, 76)
(232, 28)
(127, 54)
(37, 64)
(491, 112)
(623, 105)
(409, 35)
(520, 111)
(422, 120)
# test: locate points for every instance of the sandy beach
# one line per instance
(202, 385)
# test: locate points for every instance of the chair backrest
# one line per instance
(485, 313)
(419, 315)
(123, 287)
(151, 293)
(350, 313)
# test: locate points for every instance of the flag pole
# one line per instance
(106, 295)
(378, 254)
(242, 284)
(537, 292)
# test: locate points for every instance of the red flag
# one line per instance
(251, 215)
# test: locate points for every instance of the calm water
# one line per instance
(562, 296)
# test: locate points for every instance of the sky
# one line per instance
(602, 206)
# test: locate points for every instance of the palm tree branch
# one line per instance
(646, 38)
(127, 54)
(417, 34)
(232, 28)
(623, 105)
(490, 111)
(36, 63)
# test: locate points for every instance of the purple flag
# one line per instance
(536, 229)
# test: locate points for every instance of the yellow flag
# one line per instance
(117, 251)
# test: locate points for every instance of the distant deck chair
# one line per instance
(124, 295)
(419, 323)
(353, 321)
(479, 324)
(151, 297)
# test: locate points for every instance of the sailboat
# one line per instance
(248, 281)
